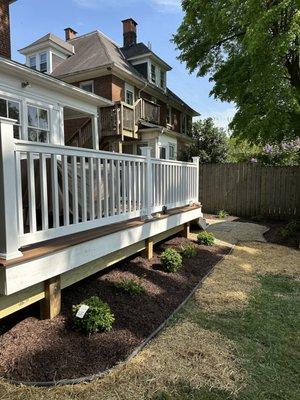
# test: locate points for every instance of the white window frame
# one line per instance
(38, 107)
(45, 62)
(85, 83)
(172, 146)
(129, 88)
(33, 57)
(159, 150)
(162, 78)
(38, 57)
(14, 100)
(153, 75)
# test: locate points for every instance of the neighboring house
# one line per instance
(67, 212)
(146, 112)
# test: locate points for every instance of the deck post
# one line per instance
(196, 161)
(186, 230)
(9, 233)
(149, 249)
(50, 306)
(146, 152)
(95, 132)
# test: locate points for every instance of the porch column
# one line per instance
(146, 152)
(9, 233)
(95, 132)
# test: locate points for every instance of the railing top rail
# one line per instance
(172, 162)
(151, 102)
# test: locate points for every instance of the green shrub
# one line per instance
(132, 287)
(97, 318)
(171, 260)
(188, 251)
(290, 229)
(222, 214)
(206, 238)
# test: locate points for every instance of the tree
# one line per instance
(250, 49)
(210, 143)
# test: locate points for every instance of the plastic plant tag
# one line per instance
(82, 311)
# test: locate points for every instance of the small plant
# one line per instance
(97, 318)
(171, 260)
(189, 251)
(206, 238)
(290, 229)
(132, 287)
(222, 214)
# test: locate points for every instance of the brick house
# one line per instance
(145, 112)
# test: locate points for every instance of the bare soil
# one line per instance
(34, 350)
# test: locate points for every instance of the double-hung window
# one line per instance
(129, 94)
(153, 73)
(11, 109)
(43, 62)
(162, 79)
(88, 86)
(171, 151)
(38, 124)
(32, 62)
(162, 153)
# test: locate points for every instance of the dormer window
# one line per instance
(88, 86)
(43, 62)
(32, 62)
(153, 73)
(162, 79)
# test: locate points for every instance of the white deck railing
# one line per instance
(51, 191)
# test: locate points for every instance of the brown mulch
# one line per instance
(34, 350)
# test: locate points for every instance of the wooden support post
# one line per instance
(149, 249)
(186, 230)
(51, 305)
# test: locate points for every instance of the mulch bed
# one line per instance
(34, 350)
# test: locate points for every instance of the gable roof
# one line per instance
(50, 38)
(94, 50)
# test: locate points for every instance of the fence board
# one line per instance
(248, 189)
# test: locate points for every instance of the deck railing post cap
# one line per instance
(196, 160)
(146, 151)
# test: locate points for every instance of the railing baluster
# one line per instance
(55, 187)
(83, 190)
(138, 185)
(31, 193)
(44, 192)
(19, 194)
(65, 190)
(118, 188)
(92, 189)
(134, 185)
(75, 190)
(129, 186)
(99, 188)
(112, 187)
(124, 200)
(106, 193)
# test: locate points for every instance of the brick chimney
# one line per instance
(5, 47)
(129, 32)
(70, 33)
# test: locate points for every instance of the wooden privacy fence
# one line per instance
(249, 189)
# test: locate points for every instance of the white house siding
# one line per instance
(38, 94)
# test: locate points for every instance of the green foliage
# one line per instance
(131, 286)
(189, 251)
(242, 150)
(171, 260)
(250, 49)
(206, 238)
(222, 214)
(290, 229)
(210, 143)
(98, 317)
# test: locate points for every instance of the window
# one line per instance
(11, 109)
(162, 153)
(153, 73)
(183, 124)
(162, 79)
(38, 124)
(169, 115)
(43, 62)
(88, 86)
(129, 94)
(171, 151)
(32, 62)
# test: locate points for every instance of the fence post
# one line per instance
(146, 152)
(196, 161)
(9, 234)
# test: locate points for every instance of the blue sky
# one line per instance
(157, 22)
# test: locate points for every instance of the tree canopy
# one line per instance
(250, 49)
(210, 143)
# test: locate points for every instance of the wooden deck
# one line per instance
(51, 246)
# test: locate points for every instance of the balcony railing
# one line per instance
(48, 191)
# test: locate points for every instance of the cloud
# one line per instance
(221, 118)
(161, 5)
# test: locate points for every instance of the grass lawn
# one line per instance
(266, 334)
